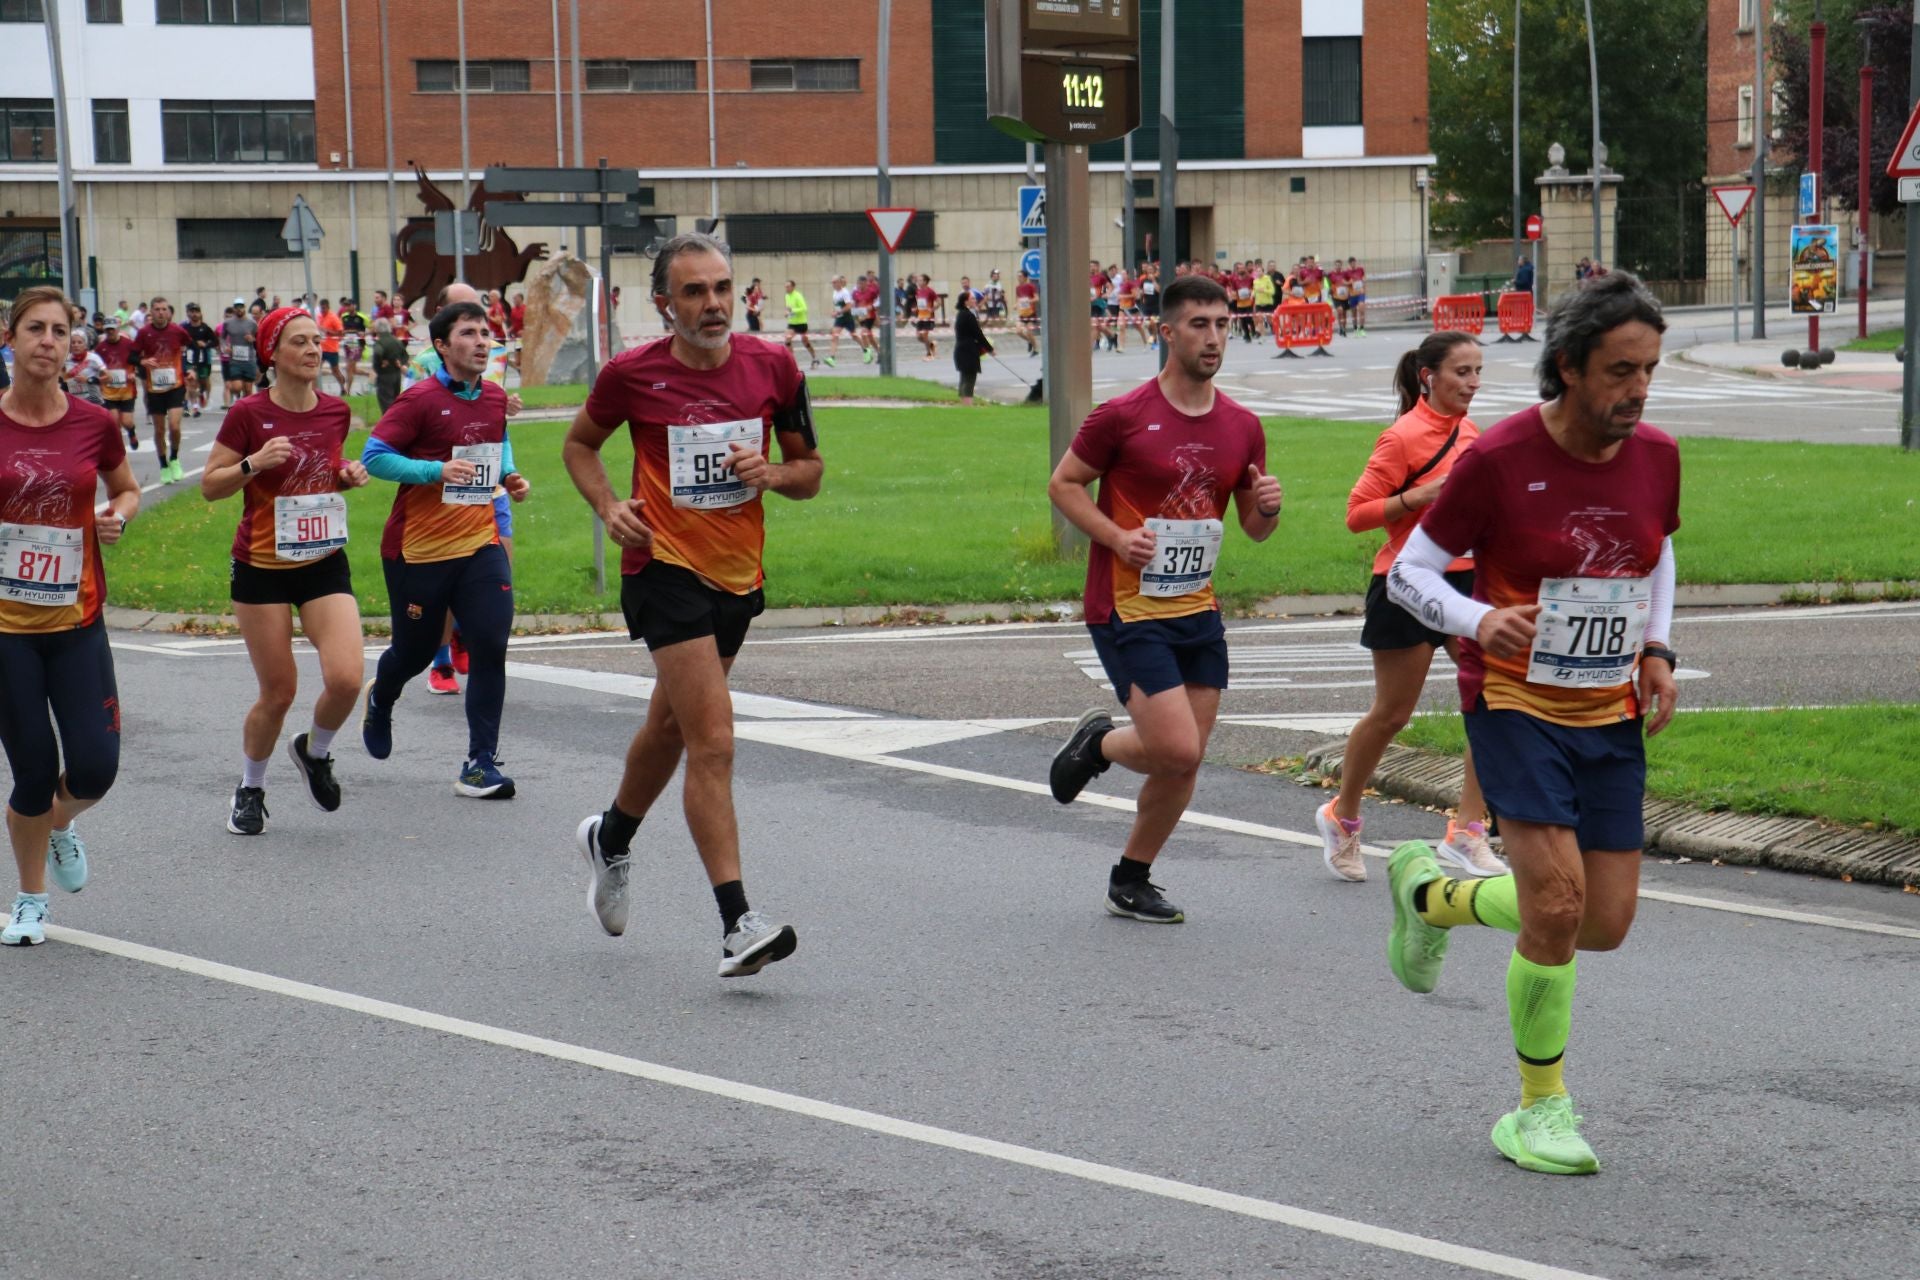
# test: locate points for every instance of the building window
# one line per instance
(26, 129)
(29, 255)
(237, 133)
(818, 233)
(1331, 93)
(807, 75)
(662, 75)
(20, 11)
(230, 239)
(111, 144)
(1743, 117)
(233, 13)
(104, 11)
(1745, 22)
(654, 75)
(443, 76)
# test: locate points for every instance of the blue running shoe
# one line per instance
(67, 860)
(376, 725)
(482, 780)
(27, 925)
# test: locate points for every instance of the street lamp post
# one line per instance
(1518, 225)
(1862, 200)
(1761, 145)
(1816, 126)
(1909, 384)
(1593, 80)
(63, 154)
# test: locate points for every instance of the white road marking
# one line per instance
(758, 706)
(1364, 1233)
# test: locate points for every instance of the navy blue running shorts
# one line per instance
(1591, 778)
(1158, 654)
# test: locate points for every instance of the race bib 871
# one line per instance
(40, 564)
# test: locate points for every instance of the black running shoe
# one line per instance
(1142, 900)
(1080, 762)
(324, 791)
(249, 816)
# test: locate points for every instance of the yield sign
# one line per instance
(1733, 201)
(1906, 156)
(891, 224)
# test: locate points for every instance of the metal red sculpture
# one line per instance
(494, 263)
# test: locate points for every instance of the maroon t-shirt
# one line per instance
(1156, 462)
(1528, 510)
(314, 467)
(427, 422)
(49, 481)
(166, 346)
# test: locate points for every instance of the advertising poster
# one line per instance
(1815, 255)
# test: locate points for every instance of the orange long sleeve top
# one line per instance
(1401, 448)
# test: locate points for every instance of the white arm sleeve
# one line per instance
(1660, 596)
(1417, 583)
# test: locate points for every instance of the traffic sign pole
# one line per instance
(1734, 201)
(1069, 328)
(1909, 385)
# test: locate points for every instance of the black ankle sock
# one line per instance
(1420, 895)
(732, 898)
(1128, 871)
(616, 831)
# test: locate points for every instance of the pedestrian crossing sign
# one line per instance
(1033, 211)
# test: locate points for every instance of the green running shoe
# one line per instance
(1545, 1138)
(1415, 948)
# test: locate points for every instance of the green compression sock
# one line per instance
(1497, 903)
(1540, 1007)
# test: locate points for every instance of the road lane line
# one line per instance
(1204, 1197)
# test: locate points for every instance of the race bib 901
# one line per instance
(1183, 557)
(40, 565)
(486, 460)
(1589, 631)
(699, 463)
(307, 526)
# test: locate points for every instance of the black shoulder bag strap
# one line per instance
(1430, 463)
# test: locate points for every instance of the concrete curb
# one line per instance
(1675, 830)
(1687, 597)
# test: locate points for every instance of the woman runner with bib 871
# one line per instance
(280, 448)
(55, 667)
(1436, 382)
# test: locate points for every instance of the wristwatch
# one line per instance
(1661, 652)
(246, 464)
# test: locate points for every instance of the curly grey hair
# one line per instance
(690, 242)
(1581, 317)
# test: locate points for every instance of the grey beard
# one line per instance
(694, 337)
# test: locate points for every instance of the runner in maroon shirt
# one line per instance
(162, 348)
(1568, 511)
(280, 450)
(702, 407)
(1167, 457)
(55, 666)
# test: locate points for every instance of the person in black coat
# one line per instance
(969, 344)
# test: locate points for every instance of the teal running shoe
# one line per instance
(67, 860)
(1545, 1138)
(1415, 949)
(27, 923)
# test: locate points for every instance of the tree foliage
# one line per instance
(1856, 30)
(1653, 100)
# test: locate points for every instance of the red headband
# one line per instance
(271, 326)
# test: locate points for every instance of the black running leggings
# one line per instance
(479, 590)
(62, 678)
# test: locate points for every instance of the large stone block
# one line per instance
(554, 345)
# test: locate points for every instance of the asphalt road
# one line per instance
(967, 1070)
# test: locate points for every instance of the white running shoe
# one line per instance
(754, 943)
(607, 892)
(1466, 849)
(1340, 847)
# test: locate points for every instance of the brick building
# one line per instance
(1303, 130)
(1730, 142)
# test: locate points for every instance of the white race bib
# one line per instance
(116, 377)
(486, 474)
(699, 463)
(307, 526)
(40, 565)
(1589, 631)
(1183, 557)
(241, 352)
(163, 379)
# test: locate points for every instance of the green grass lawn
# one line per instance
(1885, 340)
(573, 394)
(1841, 764)
(947, 505)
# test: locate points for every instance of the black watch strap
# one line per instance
(1661, 652)
(246, 465)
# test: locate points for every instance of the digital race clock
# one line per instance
(1083, 91)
